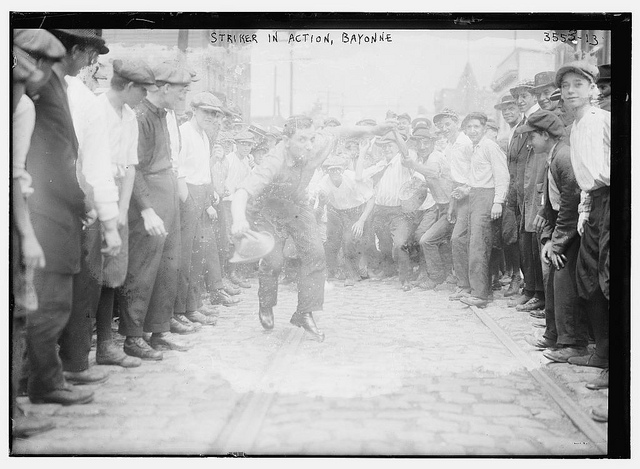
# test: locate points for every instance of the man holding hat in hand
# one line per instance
(150, 287)
(280, 186)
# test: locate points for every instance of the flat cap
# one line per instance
(391, 115)
(446, 112)
(543, 120)
(605, 73)
(481, 116)
(225, 137)
(405, 116)
(136, 71)
(170, 73)
(388, 137)
(39, 43)
(331, 121)
(243, 136)
(206, 100)
(91, 36)
(505, 101)
(523, 85)
(556, 95)
(24, 67)
(422, 131)
(421, 119)
(366, 121)
(587, 70)
(544, 79)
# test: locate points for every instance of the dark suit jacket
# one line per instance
(516, 161)
(57, 203)
(563, 224)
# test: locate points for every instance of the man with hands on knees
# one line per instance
(278, 188)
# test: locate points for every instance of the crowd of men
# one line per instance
(124, 208)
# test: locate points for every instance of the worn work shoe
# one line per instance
(110, 354)
(427, 284)
(474, 301)
(165, 341)
(600, 414)
(601, 382)
(519, 300)
(138, 347)
(305, 320)
(563, 354)
(67, 395)
(221, 297)
(230, 288)
(540, 342)
(179, 325)
(460, 293)
(266, 317)
(533, 304)
(514, 287)
(198, 317)
(88, 376)
(406, 286)
(590, 360)
(538, 314)
(236, 279)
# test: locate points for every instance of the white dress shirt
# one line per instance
(459, 155)
(350, 194)
(94, 159)
(23, 123)
(488, 169)
(193, 159)
(239, 168)
(123, 136)
(387, 191)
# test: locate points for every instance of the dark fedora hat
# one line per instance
(91, 36)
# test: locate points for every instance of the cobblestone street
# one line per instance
(400, 373)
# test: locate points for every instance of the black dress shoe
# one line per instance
(266, 318)
(198, 317)
(533, 304)
(88, 376)
(164, 341)
(138, 347)
(68, 395)
(305, 320)
(221, 297)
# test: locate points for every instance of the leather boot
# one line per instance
(514, 287)
(305, 320)
(266, 317)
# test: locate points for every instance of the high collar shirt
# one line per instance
(554, 192)
(349, 194)
(488, 169)
(459, 155)
(394, 175)
(193, 159)
(238, 170)
(123, 136)
(94, 159)
(23, 122)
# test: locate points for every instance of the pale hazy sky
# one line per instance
(399, 75)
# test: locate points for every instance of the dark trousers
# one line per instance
(460, 242)
(75, 341)
(394, 230)
(302, 227)
(213, 257)
(44, 328)
(480, 241)
(531, 264)
(592, 268)
(149, 290)
(191, 253)
(566, 321)
(340, 235)
(436, 246)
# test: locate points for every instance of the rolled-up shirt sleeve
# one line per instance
(24, 121)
